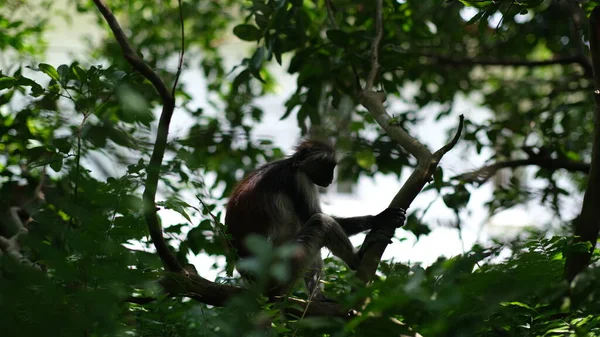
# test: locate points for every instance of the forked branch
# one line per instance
(427, 162)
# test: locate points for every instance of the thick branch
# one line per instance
(408, 192)
(166, 255)
(483, 174)
(588, 222)
(427, 162)
(202, 290)
(373, 102)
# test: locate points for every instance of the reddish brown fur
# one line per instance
(252, 203)
(242, 217)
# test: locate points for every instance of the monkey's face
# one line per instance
(320, 172)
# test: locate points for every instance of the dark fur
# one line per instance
(280, 200)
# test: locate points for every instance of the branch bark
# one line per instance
(483, 174)
(427, 162)
(153, 170)
(588, 222)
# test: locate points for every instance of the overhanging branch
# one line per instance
(483, 174)
(580, 60)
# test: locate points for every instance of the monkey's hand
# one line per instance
(383, 228)
(389, 218)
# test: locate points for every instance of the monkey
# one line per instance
(17, 205)
(13, 227)
(280, 201)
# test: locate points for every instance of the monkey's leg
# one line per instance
(389, 217)
(312, 278)
(355, 225)
(321, 230)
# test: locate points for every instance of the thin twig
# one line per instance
(136, 62)
(331, 14)
(437, 155)
(181, 52)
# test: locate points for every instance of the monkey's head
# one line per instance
(317, 160)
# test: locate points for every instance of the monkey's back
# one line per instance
(260, 205)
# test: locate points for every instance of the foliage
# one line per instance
(85, 130)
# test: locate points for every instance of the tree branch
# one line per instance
(588, 222)
(153, 170)
(202, 290)
(564, 60)
(181, 52)
(483, 174)
(375, 47)
(426, 161)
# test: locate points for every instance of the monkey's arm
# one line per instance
(356, 224)
(389, 217)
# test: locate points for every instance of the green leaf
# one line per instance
(457, 200)
(518, 304)
(6, 97)
(338, 37)
(414, 225)
(7, 82)
(261, 20)
(50, 71)
(178, 206)
(62, 144)
(40, 155)
(196, 239)
(276, 48)
(247, 32)
(79, 72)
(56, 163)
(131, 202)
(438, 178)
(256, 63)
(36, 89)
(64, 73)
(281, 271)
(365, 159)
(135, 107)
(259, 246)
(475, 18)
